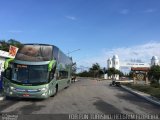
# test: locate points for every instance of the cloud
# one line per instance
(71, 17)
(149, 11)
(15, 31)
(124, 11)
(142, 52)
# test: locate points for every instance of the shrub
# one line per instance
(155, 84)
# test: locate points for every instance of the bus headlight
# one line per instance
(12, 88)
(42, 89)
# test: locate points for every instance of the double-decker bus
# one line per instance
(37, 71)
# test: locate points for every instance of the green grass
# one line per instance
(154, 91)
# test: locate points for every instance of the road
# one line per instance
(83, 96)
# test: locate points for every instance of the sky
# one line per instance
(99, 28)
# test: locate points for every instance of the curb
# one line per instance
(143, 95)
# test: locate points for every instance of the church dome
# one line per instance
(154, 58)
(115, 57)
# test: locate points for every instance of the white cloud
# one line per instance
(124, 11)
(15, 31)
(143, 52)
(149, 11)
(71, 17)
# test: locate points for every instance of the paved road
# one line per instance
(83, 96)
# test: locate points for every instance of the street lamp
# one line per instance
(73, 51)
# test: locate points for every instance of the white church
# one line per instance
(155, 61)
(113, 63)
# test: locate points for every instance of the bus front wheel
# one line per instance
(55, 91)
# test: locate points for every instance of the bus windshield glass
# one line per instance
(35, 53)
(30, 74)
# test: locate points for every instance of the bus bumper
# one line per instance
(26, 93)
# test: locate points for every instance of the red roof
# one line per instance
(140, 68)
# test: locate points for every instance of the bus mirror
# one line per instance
(51, 65)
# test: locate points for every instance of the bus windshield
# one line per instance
(30, 74)
(35, 53)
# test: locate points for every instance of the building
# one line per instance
(113, 63)
(109, 63)
(3, 56)
(154, 61)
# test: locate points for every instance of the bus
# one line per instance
(37, 71)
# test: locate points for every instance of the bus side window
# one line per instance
(51, 74)
(63, 74)
(57, 76)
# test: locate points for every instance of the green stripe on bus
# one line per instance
(6, 64)
(51, 64)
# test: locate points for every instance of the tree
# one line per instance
(14, 43)
(4, 45)
(104, 70)
(95, 70)
(113, 71)
(154, 73)
(130, 75)
(120, 73)
(84, 74)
